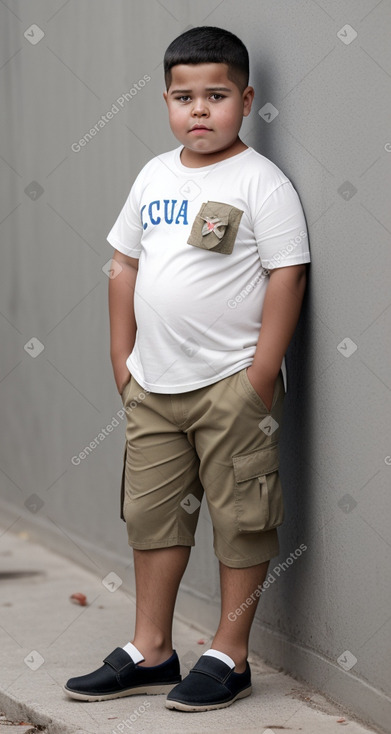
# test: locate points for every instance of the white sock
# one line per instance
(220, 656)
(133, 652)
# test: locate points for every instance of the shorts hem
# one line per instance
(255, 560)
(156, 544)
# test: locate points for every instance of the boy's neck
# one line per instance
(191, 159)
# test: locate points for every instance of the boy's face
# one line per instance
(206, 110)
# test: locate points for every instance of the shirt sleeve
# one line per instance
(280, 229)
(125, 235)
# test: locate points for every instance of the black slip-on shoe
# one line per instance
(211, 684)
(120, 676)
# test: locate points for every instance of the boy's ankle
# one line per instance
(154, 653)
(155, 657)
(237, 653)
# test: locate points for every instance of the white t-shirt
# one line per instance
(199, 311)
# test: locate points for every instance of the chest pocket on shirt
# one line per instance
(215, 227)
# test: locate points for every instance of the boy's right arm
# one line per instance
(122, 320)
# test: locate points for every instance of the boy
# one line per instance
(204, 242)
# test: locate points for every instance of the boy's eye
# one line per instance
(215, 96)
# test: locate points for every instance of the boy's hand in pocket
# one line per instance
(122, 377)
(263, 385)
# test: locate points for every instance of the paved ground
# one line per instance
(45, 639)
(9, 727)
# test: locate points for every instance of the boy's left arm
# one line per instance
(280, 314)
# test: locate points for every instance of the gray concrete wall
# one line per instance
(326, 68)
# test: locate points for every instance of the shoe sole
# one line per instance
(141, 690)
(180, 706)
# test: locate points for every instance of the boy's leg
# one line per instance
(158, 574)
(160, 472)
(160, 486)
(216, 683)
(237, 585)
(237, 442)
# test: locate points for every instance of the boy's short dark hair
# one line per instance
(209, 45)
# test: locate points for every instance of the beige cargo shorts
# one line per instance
(220, 441)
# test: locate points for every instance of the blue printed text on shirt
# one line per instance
(170, 211)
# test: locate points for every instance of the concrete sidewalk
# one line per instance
(45, 639)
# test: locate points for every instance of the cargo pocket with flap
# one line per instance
(215, 227)
(258, 493)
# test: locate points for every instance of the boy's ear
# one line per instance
(248, 97)
(165, 95)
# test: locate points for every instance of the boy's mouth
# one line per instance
(200, 129)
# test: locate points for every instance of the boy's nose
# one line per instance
(199, 108)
